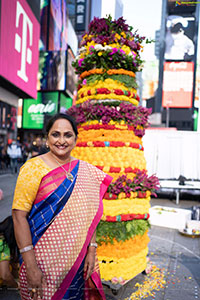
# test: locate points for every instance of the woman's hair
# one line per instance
(7, 230)
(61, 116)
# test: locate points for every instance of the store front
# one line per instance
(8, 122)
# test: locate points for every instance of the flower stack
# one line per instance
(111, 126)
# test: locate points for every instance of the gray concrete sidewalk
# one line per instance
(178, 255)
(7, 184)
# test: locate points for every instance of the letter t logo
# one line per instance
(21, 41)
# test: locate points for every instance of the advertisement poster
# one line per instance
(20, 32)
(52, 67)
(179, 39)
(178, 84)
(34, 111)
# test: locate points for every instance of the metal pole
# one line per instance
(167, 116)
(198, 116)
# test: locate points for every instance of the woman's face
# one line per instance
(61, 138)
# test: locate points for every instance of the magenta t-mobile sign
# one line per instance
(20, 33)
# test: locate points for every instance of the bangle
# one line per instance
(93, 245)
(25, 249)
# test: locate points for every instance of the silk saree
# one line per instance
(62, 220)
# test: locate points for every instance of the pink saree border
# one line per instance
(70, 275)
(55, 171)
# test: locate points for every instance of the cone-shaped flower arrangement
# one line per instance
(111, 126)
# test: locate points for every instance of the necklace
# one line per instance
(68, 173)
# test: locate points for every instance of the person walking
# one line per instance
(14, 152)
(56, 208)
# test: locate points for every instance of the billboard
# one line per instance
(43, 22)
(8, 116)
(19, 31)
(52, 67)
(80, 15)
(72, 77)
(179, 38)
(178, 84)
(34, 111)
(57, 25)
(65, 103)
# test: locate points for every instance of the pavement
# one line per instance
(175, 256)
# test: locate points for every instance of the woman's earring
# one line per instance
(47, 145)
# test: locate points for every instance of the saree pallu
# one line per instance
(62, 221)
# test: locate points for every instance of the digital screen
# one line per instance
(181, 7)
(179, 38)
(34, 111)
(43, 22)
(71, 75)
(65, 103)
(57, 25)
(20, 33)
(178, 84)
(51, 75)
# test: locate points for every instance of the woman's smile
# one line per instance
(61, 139)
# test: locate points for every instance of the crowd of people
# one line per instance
(14, 154)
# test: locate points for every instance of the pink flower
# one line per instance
(122, 51)
(80, 62)
(84, 81)
(134, 55)
(114, 50)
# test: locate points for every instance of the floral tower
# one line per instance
(111, 126)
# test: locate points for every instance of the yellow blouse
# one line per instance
(28, 181)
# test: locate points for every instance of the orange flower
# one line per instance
(90, 72)
(125, 249)
(120, 71)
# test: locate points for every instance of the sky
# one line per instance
(144, 15)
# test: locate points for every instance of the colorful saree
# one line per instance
(62, 221)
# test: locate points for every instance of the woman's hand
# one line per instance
(36, 282)
(35, 278)
(89, 262)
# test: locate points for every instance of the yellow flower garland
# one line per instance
(121, 157)
(107, 83)
(125, 268)
(109, 96)
(107, 135)
(125, 206)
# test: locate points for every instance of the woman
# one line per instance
(8, 252)
(56, 208)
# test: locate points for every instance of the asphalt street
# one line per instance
(176, 256)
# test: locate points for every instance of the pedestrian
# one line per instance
(4, 156)
(8, 252)
(14, 152)
(56, 208)
(1, 158)
(38, 148)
